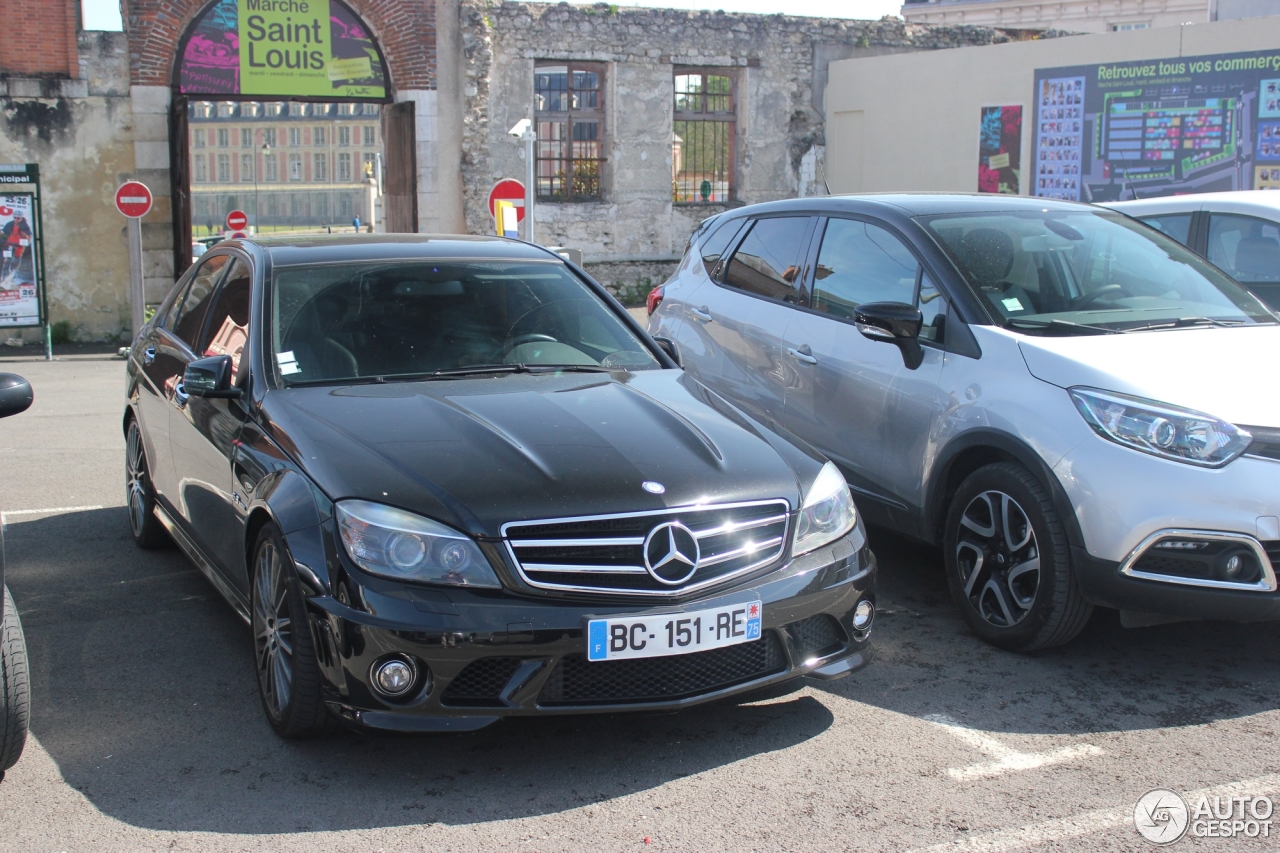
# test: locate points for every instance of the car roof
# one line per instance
(910, 204)
(338, 248)
(1259, 202)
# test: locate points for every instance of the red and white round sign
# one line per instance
(133, 199)
(237, 220)
(508, 189)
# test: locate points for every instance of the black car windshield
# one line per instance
(1086, 272)
(408, 319)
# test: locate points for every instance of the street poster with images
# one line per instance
(1000, 150)
(1157, 127)
(19, 294)
(286, 48)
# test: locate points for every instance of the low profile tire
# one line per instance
(140, 494)
(289, 680)
(1008, 562)
(15, 692)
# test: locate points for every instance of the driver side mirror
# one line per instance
(15, 394)
(669, 347)
(210, 377)
(894, 323)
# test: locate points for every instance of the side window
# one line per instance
(1245, 247)
(195, 305)
(933, 306)
(860, 262)
(229, 320)
(172, 309)
(1176, 225)
(766, 261)
(713, 247)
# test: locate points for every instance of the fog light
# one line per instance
(394, 677)
(1238, 566)
(863, 614)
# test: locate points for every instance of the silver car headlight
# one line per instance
(393, 543)
(827, 512)
(1170, 432)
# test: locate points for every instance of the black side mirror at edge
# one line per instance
(15, 394)
(893, 323)
(210, 377)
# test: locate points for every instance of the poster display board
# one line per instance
(1000, 150)
(287, 48)
(19, 293)
(1157, 127)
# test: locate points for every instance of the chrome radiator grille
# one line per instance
(607, 553)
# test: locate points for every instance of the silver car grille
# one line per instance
(606, 553)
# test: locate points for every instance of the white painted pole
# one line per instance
(136, 293)
(529, 189)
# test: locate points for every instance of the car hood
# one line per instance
(476, 453)
(1228, 373)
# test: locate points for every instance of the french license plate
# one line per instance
(664, 634)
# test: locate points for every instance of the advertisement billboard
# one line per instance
(295, 49)
(19, 294)
(1000, 150)
(1157, 127)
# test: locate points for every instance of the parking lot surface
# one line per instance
(147, 732)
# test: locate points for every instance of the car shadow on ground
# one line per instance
(144, 696)
(1109, 678)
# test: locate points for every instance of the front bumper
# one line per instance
(493, 655)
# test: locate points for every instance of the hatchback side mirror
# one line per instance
(893, 323)
(210, 377)
(669, 347)
(15, 394)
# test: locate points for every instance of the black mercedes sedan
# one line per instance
(449, 479)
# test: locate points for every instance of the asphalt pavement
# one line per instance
(147, 732)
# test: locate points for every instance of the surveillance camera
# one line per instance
(522, 127)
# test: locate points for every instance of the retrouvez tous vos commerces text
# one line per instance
(1164, 69)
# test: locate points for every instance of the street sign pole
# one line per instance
(529, 138)
(137, 309)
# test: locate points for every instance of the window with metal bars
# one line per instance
(569, 116)
(702, 143)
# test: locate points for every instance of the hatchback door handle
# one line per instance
(148, 355)
(802, 355)
(702, 315)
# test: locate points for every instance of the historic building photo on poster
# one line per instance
(1157, 127)
(19, 295)
(1000, 150)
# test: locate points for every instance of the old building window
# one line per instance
(201, 168)
(246, 137)
(224, 138)
(197, 138)
(344, 168)
(372, 109)
(347, 109)
(569, 153)
(226, 109)
(369, 136)
(295, 137)
(224, 169)
(368, 163)
(321, 109)
(317, 136)
(702, 149)
(250, 109)
(344, 136)
(274, 109)
(295, 167)
(319, 168)
(270, 170)
(297, 109)
(269, 136)
(246, 167)
(203, 109)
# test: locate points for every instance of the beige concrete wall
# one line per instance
(909, 122)
(1076, 16)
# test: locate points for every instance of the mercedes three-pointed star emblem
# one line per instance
(671, 553)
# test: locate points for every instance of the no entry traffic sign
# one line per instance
(510, 190)
(133, 199)
(237, 220)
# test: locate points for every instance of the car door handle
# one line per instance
(801, 356)
(148, 355)
(702, 315)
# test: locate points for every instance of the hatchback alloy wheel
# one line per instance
(998, 558)
(273, 630)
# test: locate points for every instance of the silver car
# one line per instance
(1079, 410)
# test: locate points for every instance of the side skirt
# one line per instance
(205, 566)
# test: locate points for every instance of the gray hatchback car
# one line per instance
(1051, 392)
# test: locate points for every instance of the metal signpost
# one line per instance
(134, 200)
(237, 225)
(507, 193)
(24, 302)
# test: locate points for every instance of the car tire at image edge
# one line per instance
(15, 691)
(1008, 561)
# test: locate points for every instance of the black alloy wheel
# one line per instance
(140, 495)
(289, 679)
(1008, 562)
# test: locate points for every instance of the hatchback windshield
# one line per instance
(1074, 272)
(405, 319)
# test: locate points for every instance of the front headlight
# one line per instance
(827, 513)
(392, 543)
(1169, 432)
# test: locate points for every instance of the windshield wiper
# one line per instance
(456, 373)
(1065, 327)
(1185, 323)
